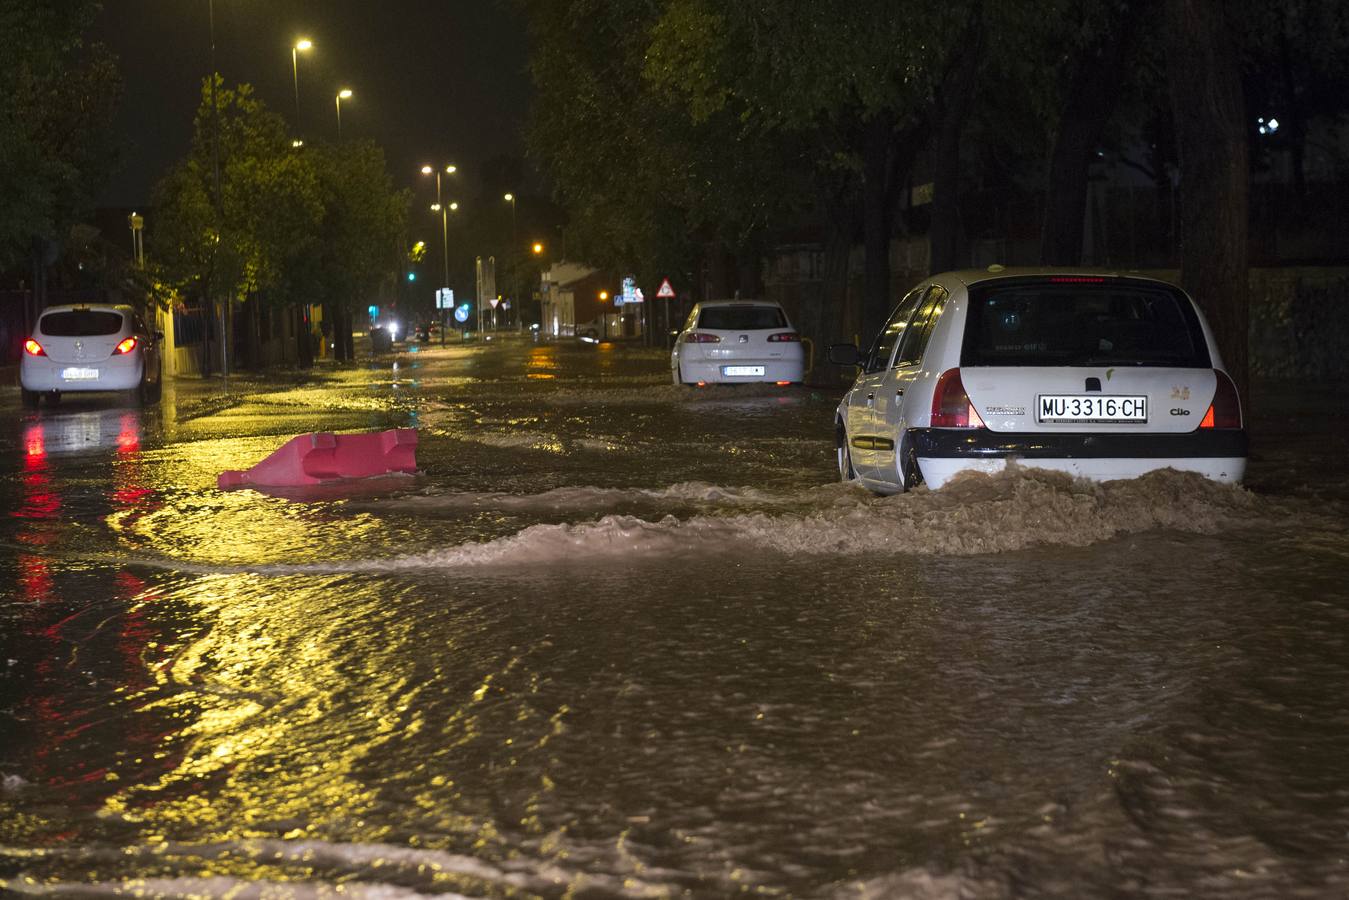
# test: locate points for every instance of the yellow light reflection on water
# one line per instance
(284, 702)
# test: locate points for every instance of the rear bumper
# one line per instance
(42, 375)
(980, 443)
(1213, 453)
(711, 371)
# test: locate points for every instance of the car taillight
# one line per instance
(697, 337)
(951, 406)
(126, 346)
(33, 348)
(784, 336)
(1225, 410)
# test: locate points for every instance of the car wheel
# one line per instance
(29, 398)
(53, 398)
(846, 473)
(154, 390)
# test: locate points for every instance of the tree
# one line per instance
(648, 185)
(1103, 37)
(57, 96)
(1210, 115)
(236, 246)
(359, 237)
(292, 225)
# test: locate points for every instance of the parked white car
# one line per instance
(89, 348)
(735, 341)
(1094, 373)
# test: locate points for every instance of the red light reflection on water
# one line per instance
(35, 578)
(39, 502)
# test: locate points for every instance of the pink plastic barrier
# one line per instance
(320, 457)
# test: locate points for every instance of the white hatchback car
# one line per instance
(735, 341)
(1096, 374)
(89, 348)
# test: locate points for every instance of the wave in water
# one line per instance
(975, 514)
(363, 871)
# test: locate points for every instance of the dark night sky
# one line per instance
(433, 81)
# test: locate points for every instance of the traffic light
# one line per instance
(412, 276)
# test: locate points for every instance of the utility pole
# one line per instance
(219, 217)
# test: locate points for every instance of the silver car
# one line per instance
(90, 348)
(1099, 374)
(736, 341)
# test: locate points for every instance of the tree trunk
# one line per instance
(1092, 95)
(1206, 98)
(876, 217)
(348, 340)
(832, 326)
(956, 98)
(304, 350)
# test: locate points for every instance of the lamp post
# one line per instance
(215, 166)
(515, 258)
(301, 45)
(344, 94)
(440, 207)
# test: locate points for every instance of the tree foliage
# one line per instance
(57, 96)
(288, 224)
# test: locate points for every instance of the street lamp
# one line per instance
(439, 207)
(537, 248)
(344, 94)
(299, 46)
(515, 258)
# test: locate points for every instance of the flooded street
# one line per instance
(626, 639)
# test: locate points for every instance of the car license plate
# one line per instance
(1091, 408)
(77, 374)
(742, 370)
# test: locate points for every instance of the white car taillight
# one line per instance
(696, 337)
(951, 406)
(125, 346)
(33, 348)
(784, 336)
(1225, 410)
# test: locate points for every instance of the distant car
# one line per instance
(735, 341)
(1092, 373)
(603, 327)
(90, 348)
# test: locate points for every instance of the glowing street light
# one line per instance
(300, 46)
(537, 248)
(344, 94)
(438, 206)
(515, 262)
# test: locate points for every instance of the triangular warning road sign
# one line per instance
(666, 292)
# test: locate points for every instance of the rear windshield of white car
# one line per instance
(81, 323)
(741, 318)
(1081, 321)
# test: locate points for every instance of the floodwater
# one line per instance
(624, 639)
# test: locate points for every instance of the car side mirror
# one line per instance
(844, 355)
